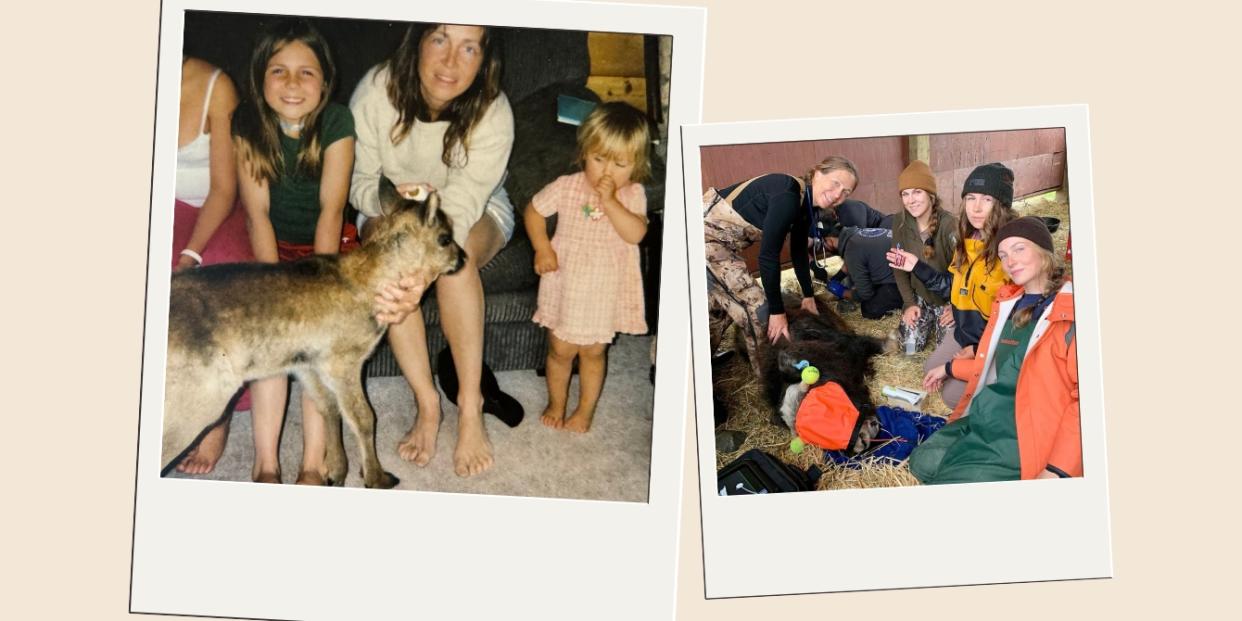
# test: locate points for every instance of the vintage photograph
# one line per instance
(891, 311)
(460, 230)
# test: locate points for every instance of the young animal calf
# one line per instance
(841, 356)
(313, 318)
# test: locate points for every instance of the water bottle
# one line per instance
(912, 341)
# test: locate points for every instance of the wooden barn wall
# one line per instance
(1037, 157)
(879, 161)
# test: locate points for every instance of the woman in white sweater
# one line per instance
(433, 115)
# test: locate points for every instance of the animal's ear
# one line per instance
(389, 199)
(432, 205)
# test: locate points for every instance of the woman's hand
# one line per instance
(395, 301)
(946, 317)
(965, 352)
(778, 326)
(911, 316)
(545, 261)
(1046, 474)
(184, 262)
(901, 260)
(934, 379)
(808, 305)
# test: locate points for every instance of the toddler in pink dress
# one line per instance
(591, 287)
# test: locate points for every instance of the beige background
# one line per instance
(79, 105)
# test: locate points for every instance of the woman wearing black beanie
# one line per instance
(1018, 417)
(975, 275)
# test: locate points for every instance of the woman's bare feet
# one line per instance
(553, 417)
(419, 444)
(473, 454)
(203, 457)
(580, 422)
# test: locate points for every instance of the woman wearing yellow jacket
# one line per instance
(975, 273)
(1018, 417)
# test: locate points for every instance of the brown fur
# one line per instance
(312, 318)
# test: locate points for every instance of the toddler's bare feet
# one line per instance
(553, 417)
(580, 422)
(203, 457)
(473, 454)
(419, 443)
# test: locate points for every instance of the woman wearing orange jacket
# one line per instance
(1018, 418)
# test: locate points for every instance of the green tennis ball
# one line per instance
(796, 446)
(810, 375)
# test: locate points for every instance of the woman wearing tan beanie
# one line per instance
(930, 233)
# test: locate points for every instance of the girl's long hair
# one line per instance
(1053, 270)
(256, 128)
(1001, 213)
(463, 113)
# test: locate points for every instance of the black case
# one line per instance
(757, 472)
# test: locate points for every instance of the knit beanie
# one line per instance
(917, 175)
(1027, 227)
(992, 179)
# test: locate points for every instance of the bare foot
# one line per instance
(203, 457)
(311, 477)
(580, 422)
(473, 454)
(419, 443)
(553, 417)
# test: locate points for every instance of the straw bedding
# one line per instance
(750, 413)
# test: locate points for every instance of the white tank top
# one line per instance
(194, 159)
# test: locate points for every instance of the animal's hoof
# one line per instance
(386, 481)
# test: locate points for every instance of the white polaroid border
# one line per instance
(849, 540)
(285, 552)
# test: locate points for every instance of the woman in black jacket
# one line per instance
(768, 209)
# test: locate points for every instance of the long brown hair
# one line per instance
(463, 113)
(1053, 270)
(256, 128)
(1001, 213)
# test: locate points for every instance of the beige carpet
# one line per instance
(611, 462)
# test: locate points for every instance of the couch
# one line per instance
(538, 66)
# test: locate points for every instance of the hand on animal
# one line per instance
(911, 316)
(778, 326)
(946, 317)
(965, 352)
(415, 191)
(184, 262)
(934, 378)
(545, 261)
(395, 301)
(901, 260)
(808, 305)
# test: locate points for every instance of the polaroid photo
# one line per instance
(841, 384)
(573, 485)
